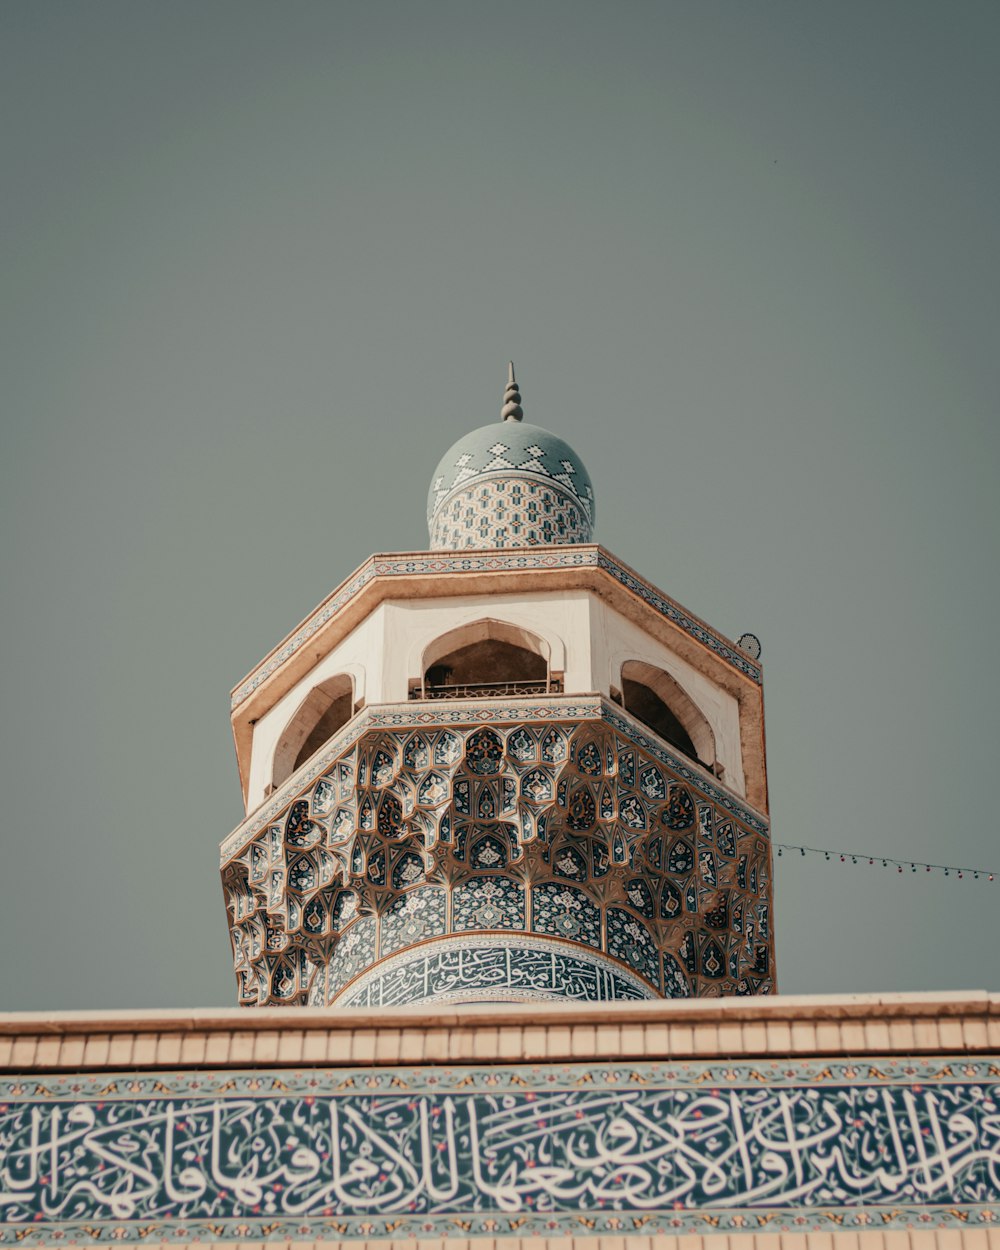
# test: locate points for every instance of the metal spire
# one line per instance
(511, 410)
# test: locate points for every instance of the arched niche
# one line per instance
(324, 710)
(485, 655)
(655, 698)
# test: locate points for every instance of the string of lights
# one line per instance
(886, 861)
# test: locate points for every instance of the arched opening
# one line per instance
(486, 658)
(327, 708)
(653, 697)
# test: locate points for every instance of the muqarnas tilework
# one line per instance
(576, 833)
(571, 833)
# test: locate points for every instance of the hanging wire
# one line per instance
(886, 861)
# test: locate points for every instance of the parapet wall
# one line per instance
(821, 1123)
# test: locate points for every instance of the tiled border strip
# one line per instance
(410, 564)
(207, 1115)
(674, 612)
(613, 978)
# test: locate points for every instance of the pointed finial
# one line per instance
(511, 410)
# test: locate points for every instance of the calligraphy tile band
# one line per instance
(544, 1150)
(509, 967)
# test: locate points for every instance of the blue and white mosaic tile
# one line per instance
(414, 917)
(394, 1153)
(631, 941)
(488, 901)
(518, 452)
(419, 829)
(508, 512)
(565, 911)
(504, 967)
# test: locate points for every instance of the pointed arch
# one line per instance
(324, 710)
(483, 654)
(655, 698)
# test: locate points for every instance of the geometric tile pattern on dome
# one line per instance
(512, 449)
(510, 1150)
(566, 831)
(508, 512)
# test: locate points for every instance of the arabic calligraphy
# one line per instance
(555, 1150)
(465, 969)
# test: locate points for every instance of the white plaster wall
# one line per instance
(385, 651)
(615, 639)
(561, 620)
(359, 655)
(588, 641)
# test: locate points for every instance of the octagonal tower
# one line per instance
(505, 770)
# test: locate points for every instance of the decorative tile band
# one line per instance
(522, 1150)
(419, 715)
(516, 559)
(673, 612)
(496, 969)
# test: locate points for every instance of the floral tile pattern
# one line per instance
(575, 829)
(566, 911)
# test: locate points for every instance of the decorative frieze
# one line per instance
(508, 967)
(475, 563)
(669, 1147)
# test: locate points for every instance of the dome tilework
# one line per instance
(507, 512)
(554, 502)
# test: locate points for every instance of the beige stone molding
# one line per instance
(867, 1239)
(855, 1025)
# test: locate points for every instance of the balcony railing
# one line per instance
(488, 690)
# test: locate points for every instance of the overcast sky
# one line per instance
(263, 263)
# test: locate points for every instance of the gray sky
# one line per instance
(262, 263)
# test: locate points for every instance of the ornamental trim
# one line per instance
(515, 560)
(518, 1150)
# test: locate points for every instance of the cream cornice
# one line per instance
(791, 1009)
(437, 575)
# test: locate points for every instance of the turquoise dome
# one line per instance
(508, 452)
(509, 484)
(511, 448)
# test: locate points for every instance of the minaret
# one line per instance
(505, 769)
